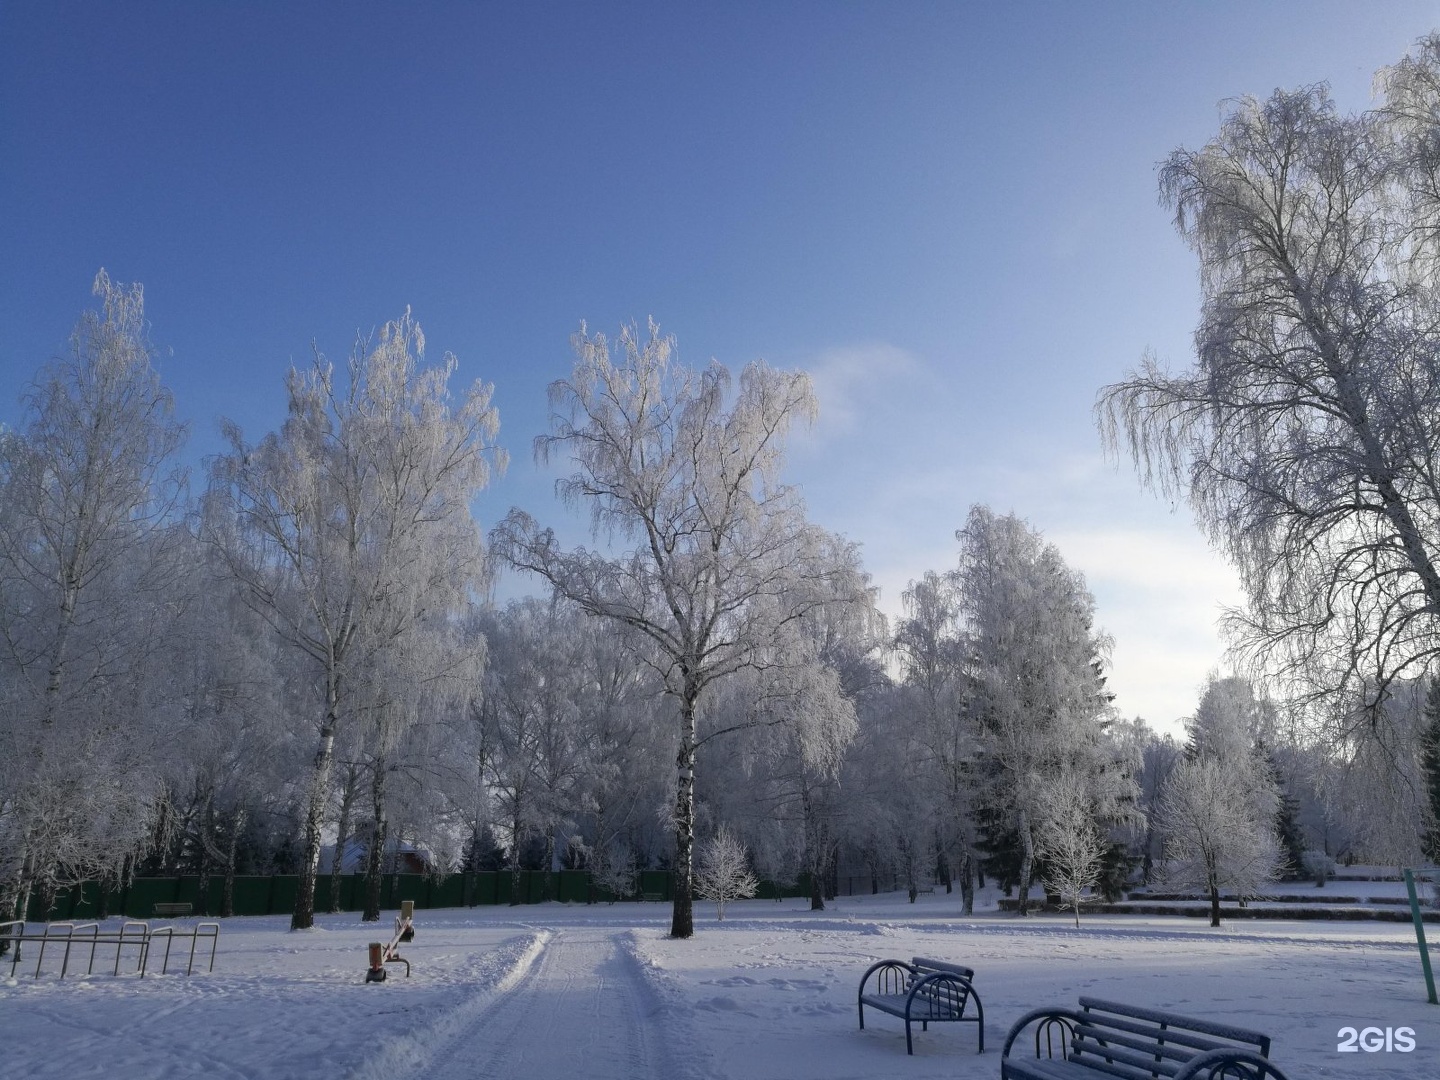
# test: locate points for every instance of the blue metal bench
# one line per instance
(1104, 1039)
(927, 991)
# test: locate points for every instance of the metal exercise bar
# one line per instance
(213, 935)
(137, 934)
(142, 937)
(94, 929)
(45, 939)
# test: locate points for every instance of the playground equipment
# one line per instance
(1420, 936)
(380, 955)
(136, 936)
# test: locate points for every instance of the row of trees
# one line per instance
(304, 650)
(303, 653)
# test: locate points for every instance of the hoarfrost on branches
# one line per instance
(87, 537)
(1033, 680)
(724, 872)
(725, 565)
(350, 528)
(1068, 842)
(1307, 434)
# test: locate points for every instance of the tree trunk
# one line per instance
(1212, 876)
(15, 887)
(515, 840)
(319, 795)
(227, 897)
(967, 882)
(379, 837)
(682, 920)
(1027, 861)
(813, 859)
(342, 834)
(202, 891)
(545, 881)
(57, 653)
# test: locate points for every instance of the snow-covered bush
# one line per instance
(616, 871)
(1319, 866)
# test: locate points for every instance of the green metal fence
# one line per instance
(275, 894)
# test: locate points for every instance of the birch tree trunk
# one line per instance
(967, 882)
(342, 835)
(318, 797)
(227, 900)
(1027, 859)
(379, 838)
(682, 916)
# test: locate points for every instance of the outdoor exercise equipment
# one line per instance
(380, 955)
(1420, 936)
(138, 937)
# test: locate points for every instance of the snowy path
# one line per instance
(581, 1007)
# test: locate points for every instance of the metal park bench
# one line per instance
(1102, 1040)
(173, 911)
(924, 991)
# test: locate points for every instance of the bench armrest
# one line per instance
(907, 971)
(1212, 1062)
(1067, 1017)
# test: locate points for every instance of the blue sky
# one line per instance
(946, 212)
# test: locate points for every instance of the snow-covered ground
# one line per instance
(565, 992)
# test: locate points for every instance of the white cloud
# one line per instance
(848, 380)
(1159, 592)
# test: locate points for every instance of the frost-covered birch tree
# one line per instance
(1378, 783)
(1034, 678)
(1306, 435)
(351, 526)
(233, 745)
(627, 773)
(1214, 837)
(88, 491)
(1152, 757)
(1219, 807)
(803, 714)
(397, 702)
(532, 707)
(930, 647)
(685, 465)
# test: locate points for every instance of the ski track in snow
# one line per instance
(580, 1005)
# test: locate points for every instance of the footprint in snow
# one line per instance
(797, 984)
(722, 1004)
